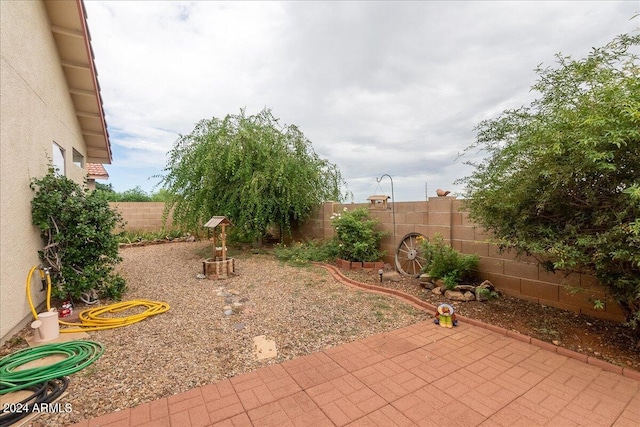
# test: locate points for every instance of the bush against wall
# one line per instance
(80, 246)
(444, 262)
(561, 180)
(357, 237)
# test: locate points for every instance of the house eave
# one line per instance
(68, 21)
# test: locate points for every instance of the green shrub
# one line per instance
(77, 227)
(487, 294)
(444, 262)
(356, 237)
(301, 253)
(451, 279)
(148, 236)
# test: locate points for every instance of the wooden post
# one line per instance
(223, 237)
(214, 244)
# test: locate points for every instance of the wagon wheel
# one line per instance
(410, 256)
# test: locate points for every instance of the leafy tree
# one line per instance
(136, 194)
(107, 188)
(562, 176)
(250, 169)
(161, 195)
(77, 227)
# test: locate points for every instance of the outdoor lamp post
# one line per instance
(380, 273)
(393, 213)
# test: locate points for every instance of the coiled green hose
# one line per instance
(78, 355)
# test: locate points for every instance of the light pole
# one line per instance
(393, 211)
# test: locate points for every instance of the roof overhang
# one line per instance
(68, 20)
(97, 171)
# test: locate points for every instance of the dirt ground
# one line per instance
(609, 341)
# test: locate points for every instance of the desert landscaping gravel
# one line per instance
(303, 310)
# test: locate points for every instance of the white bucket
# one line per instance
(46, 328)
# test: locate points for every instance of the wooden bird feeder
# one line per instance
(378, 201)
(218, 266)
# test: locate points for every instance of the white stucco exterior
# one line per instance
(36, 110)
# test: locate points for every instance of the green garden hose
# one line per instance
(78, 355)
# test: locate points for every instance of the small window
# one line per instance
(58, 159)
(78, 159)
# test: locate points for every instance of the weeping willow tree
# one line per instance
(250, 169)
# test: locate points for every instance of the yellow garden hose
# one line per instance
(91, 319)
(42, 277)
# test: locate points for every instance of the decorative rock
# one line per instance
(201, 276)
(454, 295)
(425, 278)
(264, 348)
(238, 326)
(226, 307)
(244, 299)
(237, 304)
(392, 276)
(436, 291)
(426, 281)
(481, 294)
(487, 285)
(469, 296)
(228, 312)
(428, 285)
(465, 288)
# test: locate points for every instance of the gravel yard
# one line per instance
(302, 309)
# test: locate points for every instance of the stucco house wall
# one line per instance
(36, 110)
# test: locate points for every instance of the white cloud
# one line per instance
(378, 87)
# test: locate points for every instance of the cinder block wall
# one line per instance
(142, 216)
(521, 277)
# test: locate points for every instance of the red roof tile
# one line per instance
(97, 171)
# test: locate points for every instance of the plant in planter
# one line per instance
(356, 237)
(444, 262)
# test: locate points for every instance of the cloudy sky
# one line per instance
(377, 87)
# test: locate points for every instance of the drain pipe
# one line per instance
(393, 211)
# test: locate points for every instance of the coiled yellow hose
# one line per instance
(92, 319)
